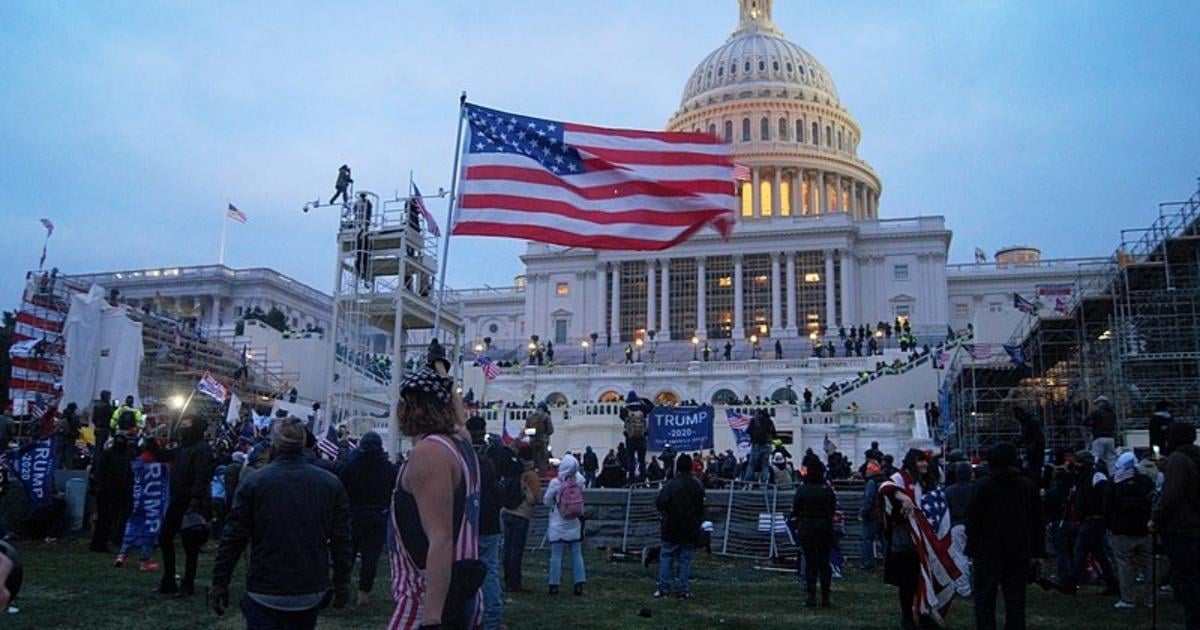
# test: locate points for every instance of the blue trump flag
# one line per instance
(684, 428)
(34, 466)
(151, 485)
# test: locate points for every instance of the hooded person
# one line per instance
(367, 477)
(1176, 515)
(812, 516)
(189, 510)
(564, 497)
(1128, 500)
(681, 503)
(113, 485)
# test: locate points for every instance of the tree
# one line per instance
(273, 318)
(6, 334)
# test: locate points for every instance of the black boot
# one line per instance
(554, 589)
(811, 600)
(579, 588)
(167, 586)
(825, 600)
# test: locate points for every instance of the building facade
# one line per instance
(216, 295)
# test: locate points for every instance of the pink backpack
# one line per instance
(570, 499)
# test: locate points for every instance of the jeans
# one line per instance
(516, 530)
(817, 569)
(675, 556)
(1105, 450)
(1091, 542)
(870, 535)
(578, 572)
(259, 617)
(958, 547)
(1133, 557)
(1064, 544)
(191, 550)
(493, 600)
(368, 533)
(993, 575)
(758, 464)
(1184, 554)
(637, 457)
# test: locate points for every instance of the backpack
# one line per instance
(570, 499)
(635, 426)
(126, 421)
(512, 492)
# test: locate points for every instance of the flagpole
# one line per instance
(441, 297)
(224, 224)
(42, 260)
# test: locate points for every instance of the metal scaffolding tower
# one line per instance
(383, 284)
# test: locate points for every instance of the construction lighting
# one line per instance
(812, 336)
(478, 348)
(532, 347)
(1105, 336)
(639, 343)
(175, 402)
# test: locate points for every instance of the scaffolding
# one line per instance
(1132, 333)
(383, 284)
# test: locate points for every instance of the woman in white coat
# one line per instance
(564, 532)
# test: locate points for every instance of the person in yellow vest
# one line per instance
(127, 417)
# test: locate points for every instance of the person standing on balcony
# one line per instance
(778, 350)
(628, 353)
(728, 350)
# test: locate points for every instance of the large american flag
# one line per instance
(583, 186)
(489, 367)
(418, 202)
(930, 527)
(327, 445)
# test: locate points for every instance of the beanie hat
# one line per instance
(288, 434)
(683, 463)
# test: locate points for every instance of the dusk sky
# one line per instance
(130, 124)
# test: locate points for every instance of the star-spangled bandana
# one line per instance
(428, 383)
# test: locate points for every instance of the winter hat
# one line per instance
(370, 441)
(1127, 461)
(288, 434)
(1002, 455)
(427, 382)
(683, 463)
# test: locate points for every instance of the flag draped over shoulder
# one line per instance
(930, 526)
(583, 186)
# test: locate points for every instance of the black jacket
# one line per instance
(958, 499)
(812, 514)
(1005, 518)
(1102, 421)
(1127, 505)
(191, 480)
(368, 477)
(681, 502)
(1178, 508)
(113, 472)
(296, 519)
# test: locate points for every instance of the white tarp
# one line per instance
(103, 350)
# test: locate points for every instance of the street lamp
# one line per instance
(639, 343)
(753, 346)
(584, 345)
(695, 348)
(532, 352)
(478, 348)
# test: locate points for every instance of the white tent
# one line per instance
(104, 350)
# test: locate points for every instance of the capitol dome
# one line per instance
(757, 55)
(778, 106)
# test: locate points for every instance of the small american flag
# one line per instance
(49, 225)
(490, 369)
(211, 387)
(328, 445)
(235, 214)
(979, 351)
(419, 204)
(595, 187)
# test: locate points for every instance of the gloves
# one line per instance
(218, 599)
(341, 597)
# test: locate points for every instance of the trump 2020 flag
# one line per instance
(583, 186)
(211, 387)
(34, 466)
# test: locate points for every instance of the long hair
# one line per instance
(422, 414)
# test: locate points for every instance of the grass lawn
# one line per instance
(68, 587)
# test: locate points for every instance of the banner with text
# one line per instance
(739, 424)
(1055, 299)
(684, 428)
(151, 483)
(34, 466)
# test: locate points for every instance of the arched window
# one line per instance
(747, 66)
(725, 397)
(799, 131)
(783, 129)
(775, 66)
(712, 129)
(839, 139)
(745, 130)
(816, 135)
(828, 136)
(733, 68)
(764, 129)
(721, 71)
(610, 396)
(784, 395)
(761, 65)
(728, 131)
(789, 67)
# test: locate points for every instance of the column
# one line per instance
(830, 299)
(664, 326)
(776, 195)
(739, 322)
(702, 297)
(797, 186)
(819, 193)
(854, 198)
(651, 295)
(847, 287)
(776, 297)
(789, 321)
(598, 309)
(614, 326)
(756, 191)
